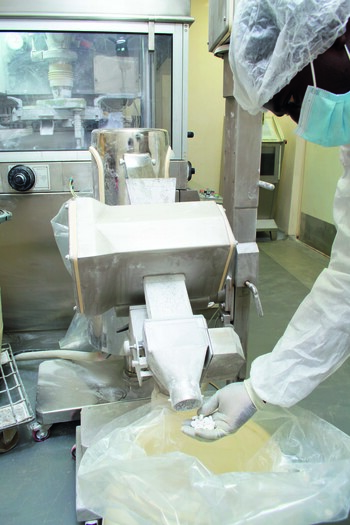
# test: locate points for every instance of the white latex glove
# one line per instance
(230, 407)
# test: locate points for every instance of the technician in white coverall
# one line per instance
(292, 57)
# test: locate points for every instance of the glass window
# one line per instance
(56, 87)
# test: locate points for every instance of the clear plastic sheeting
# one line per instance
(281, 467)
(149, 191)
(77, 335)
(105, 333)
(82, 333)
(60, 228)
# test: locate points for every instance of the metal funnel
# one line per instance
(176, 351)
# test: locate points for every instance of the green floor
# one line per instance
(38, 479)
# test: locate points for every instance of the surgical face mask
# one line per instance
(325, 117)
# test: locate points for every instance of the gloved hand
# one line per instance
(230, 407)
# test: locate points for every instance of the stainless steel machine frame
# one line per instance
(241, 175)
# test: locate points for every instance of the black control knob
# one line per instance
(21, 178)
(190, 171)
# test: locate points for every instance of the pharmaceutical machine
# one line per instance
(93, 132)
(68, 68)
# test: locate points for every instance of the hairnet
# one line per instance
(272, 40)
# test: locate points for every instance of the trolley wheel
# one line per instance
(40, 435)
(73, 452)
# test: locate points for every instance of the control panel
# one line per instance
(45, 177)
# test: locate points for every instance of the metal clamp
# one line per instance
(138, 362)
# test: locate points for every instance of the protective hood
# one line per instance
(272, 40)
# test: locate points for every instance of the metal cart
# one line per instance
(15, 408)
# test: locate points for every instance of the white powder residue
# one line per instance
(203, 422)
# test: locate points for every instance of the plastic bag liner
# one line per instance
(79, 334)
(60, 229)
(137, 471)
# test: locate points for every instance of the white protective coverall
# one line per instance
(317, 339)
(272, 40)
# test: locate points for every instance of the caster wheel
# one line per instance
(40, 435)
